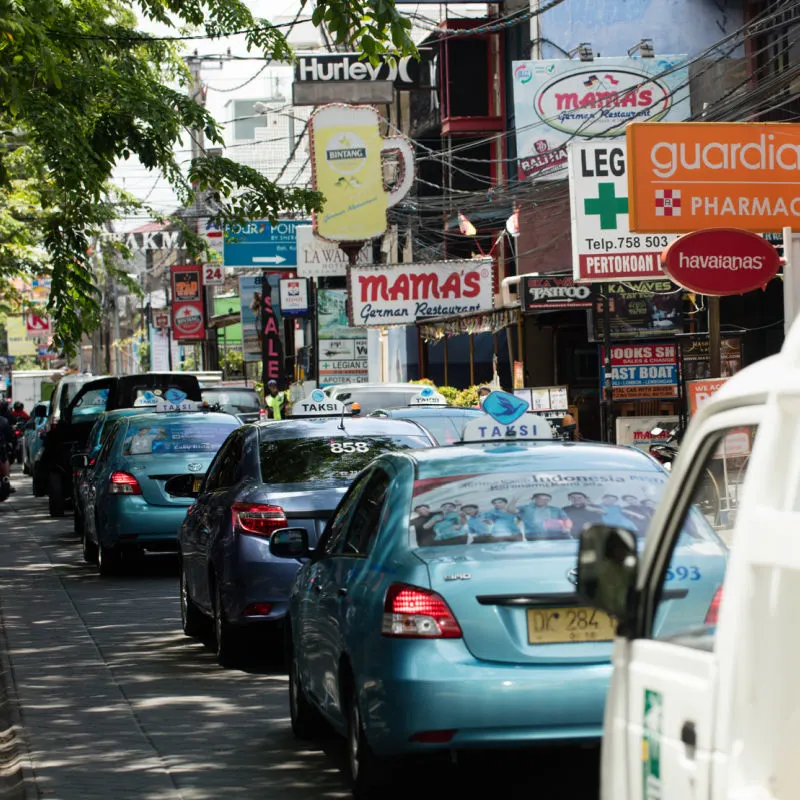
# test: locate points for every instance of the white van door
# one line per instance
(660, 708)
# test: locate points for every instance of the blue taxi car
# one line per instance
(143, 480)
(439, 611)
(83, 464)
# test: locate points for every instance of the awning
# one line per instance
(433, 329)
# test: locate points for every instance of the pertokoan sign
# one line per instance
(545, 294)
(400, 294)
(603, 247)
(556, 101)
(692, 176)
(352, 67)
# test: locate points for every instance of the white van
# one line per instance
(712, 711)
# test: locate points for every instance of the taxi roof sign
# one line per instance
(318, 404)
(526, 427)
(506, 419)
(428, 397)
(164, 406)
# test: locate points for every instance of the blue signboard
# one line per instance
(641, 372)
(260, 244)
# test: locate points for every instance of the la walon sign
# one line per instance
(688, 176)
(721, 261)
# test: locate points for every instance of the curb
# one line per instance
(17, 780)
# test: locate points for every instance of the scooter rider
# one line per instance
(7, 440)
(19, 414)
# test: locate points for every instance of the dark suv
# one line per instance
(92, 399)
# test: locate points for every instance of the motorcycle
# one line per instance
(666, 450)
(5, 481)
(16, 450)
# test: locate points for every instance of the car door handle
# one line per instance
(689, 734)
(342, 592)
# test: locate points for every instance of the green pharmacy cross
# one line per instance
(606, 205)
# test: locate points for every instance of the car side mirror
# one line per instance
(40, 412)
(79, 461)
(607, 565)
(290, 543)
(184, 485)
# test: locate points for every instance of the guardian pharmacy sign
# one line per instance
(692, 176)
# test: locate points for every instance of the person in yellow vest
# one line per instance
(276, 401)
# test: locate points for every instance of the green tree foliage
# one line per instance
(81, 88)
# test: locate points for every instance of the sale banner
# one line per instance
(188, 318)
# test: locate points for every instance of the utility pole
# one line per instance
(198, 148)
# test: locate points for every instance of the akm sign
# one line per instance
(556, 101)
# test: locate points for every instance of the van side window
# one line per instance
(691, 589)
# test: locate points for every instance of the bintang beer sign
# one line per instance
(692, 176)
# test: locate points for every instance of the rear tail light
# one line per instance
(411, 612)
(434, 737)
(258, 610)
(713, 610)
(123, 483)
(262, 413)
(257, 519)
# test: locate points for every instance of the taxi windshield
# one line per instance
(545, 505)
(235, 400)
(176, 436)
(332, 458)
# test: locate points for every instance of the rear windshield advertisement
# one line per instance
(472, 509)
(176, 438)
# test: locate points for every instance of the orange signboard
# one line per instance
(698, 392)
(688, 176)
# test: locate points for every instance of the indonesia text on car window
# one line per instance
(542, 505)
(332, 458)
(176, 437)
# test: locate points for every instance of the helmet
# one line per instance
(18, 406)
(272, 383)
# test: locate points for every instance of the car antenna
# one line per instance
(341, 419)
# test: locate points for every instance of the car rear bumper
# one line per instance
(259, 577)
(132, 523)
(439, 686)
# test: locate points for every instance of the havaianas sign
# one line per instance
(693, 176)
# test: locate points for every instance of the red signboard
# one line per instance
(188, 319)
(721, 261)
(642, 372)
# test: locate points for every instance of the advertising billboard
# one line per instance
(640, 310)
(556, 101)
(691, 176)
(188, 319)
(642, 372)
(400, 294)
(342, 348)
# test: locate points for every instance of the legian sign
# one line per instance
(428, 397)
(343, 349)
(556, 101)
(318, 404)
(506, 418)
(603, 247)
(400, 294)
(317, 258)
(260, 244)
(721, 261)
(691, 176)
(347, 152)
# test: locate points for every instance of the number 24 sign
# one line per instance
(213, 274)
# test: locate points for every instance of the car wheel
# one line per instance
(107, 561)
(26, 470)
(77, 522)
(192, 620)
(369, 775)
(307, 722)
(55, 495)
(225, 644)
(38, 483)
(88, 546)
